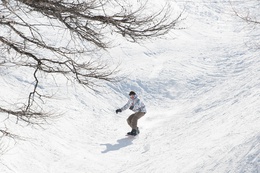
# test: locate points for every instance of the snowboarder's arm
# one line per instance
(127, 105)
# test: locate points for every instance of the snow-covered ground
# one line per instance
(201, 87)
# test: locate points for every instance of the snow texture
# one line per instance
(201, 87)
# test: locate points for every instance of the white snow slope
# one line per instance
(201, 87)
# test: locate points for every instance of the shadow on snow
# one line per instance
(121, 143)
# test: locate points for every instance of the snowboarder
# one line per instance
(138, 107)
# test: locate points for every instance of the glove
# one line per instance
(118, 110)
(131, 107)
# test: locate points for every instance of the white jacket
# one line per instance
(138, 106)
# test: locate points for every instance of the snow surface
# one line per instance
(201, 87)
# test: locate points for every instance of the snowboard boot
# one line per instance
(130, 133)
(133, 132)
(137, 131)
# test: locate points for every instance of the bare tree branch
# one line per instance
(250, 18)
(61, 37)
(247, 18)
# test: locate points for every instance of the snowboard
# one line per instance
(131, 135)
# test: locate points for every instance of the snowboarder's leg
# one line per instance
(137, 116)
(132, 122)
(129, 120)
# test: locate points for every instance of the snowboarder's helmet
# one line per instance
(132, 93)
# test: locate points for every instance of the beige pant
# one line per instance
(132, 119)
